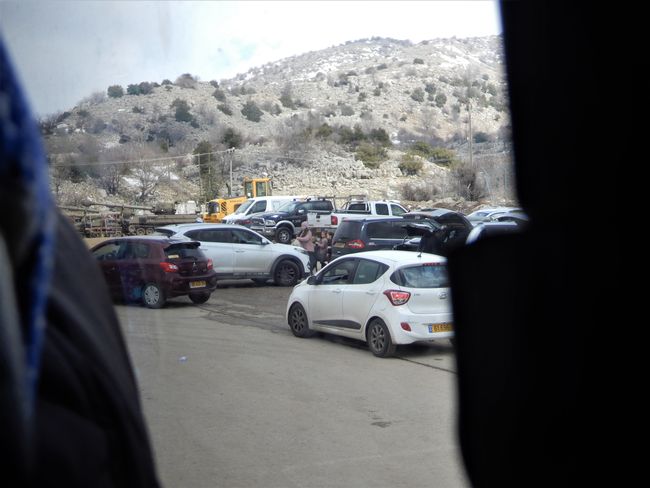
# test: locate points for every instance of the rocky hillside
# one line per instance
(337, 121)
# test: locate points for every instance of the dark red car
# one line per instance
(154, 269)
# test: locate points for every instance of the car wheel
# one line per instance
(287, 273)
(153, 296)
(298, 321)
(284, 235)
(379, 341)
(200, 297)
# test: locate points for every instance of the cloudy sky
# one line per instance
(66, 50)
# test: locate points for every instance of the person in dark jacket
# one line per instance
(70, 413)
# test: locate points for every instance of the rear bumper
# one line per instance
(420, 328)
(183, 285)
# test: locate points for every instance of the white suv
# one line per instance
(240, 253)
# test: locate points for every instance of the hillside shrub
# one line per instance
(115, 91)
(182, 111)
(324, 131)
(251, 111)
(418, 61)
(444, 156)
(410, 165)
(440, 100)
(418, 95)
(380, 136)
(346, 110)
(186, 80)
(225, 108)
(371, 155)
(231, 138)
(286, 97)
(418, 192)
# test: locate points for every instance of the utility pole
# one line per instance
(471, 136)
(230, 151)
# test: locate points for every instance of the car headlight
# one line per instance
(269, 222)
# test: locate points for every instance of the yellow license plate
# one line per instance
(197, 284)
(446, 327)
(339, 244)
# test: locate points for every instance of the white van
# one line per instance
(256, 205)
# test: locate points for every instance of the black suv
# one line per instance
(284, 224)
(369, 234)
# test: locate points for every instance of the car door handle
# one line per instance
(240, 250)
(338, 290)
(371, 292)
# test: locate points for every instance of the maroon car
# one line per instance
(153, 269)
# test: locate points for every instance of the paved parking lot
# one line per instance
(233, 399)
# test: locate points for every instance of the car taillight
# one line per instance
(335, 220)
(355, 244)
(210, 264)
(168, 267)
(397, 297)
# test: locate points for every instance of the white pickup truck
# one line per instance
(356, 209)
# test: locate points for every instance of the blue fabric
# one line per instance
(23, 171)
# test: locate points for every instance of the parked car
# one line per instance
(367, 234)
(240, 253)
(284, 224)
(485, 214)
(384, 298)
(243, 214)
(442, 229)
(154, 269)
(518, 216)
(488, 229)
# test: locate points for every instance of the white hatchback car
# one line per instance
(384, 298)
(240, 253)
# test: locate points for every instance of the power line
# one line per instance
(134, 161)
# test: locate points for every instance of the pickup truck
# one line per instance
(283, 224)
(356, 210)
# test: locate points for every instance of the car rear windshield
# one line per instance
(429, 275)
(184, 251)
(347, 230)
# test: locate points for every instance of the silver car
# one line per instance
(240, 253)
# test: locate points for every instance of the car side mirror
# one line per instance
(311, 280)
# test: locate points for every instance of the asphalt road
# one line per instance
(233, 400)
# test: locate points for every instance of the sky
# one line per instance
(64, 51)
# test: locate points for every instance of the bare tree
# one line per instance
(145, 170)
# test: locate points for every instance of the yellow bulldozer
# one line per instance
(218, 208)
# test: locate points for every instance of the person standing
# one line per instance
(306, 242)
(322, 246)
